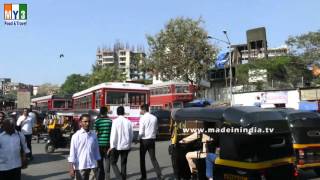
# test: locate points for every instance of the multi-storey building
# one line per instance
(4, 85)
(126, 60)
(241, 54)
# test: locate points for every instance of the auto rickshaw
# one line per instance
(185, 122)
(58, 131)
(305, 128)
(163, 117)
(249, 152)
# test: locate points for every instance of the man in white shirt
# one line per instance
(33, 117)
(11, 144)
(84, 152)
(148, 128)
(120, 143)
(26, 124)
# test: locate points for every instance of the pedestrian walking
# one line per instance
(120, 143)
(13, 149)
(103, 128)
(84, 152)
(25, 124)
(148, 129)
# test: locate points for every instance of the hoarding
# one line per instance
(23, 99)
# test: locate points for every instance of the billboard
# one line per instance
(276, 97)
(309, 94)
(256, 75)
(23, 99)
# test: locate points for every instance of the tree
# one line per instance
(181, 50)
(141, 64)
(105, 74)
(306, 46)
(74, 83)
(287, 70)
(11, 95)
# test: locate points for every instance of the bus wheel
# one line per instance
(317, 171)
(49, 148)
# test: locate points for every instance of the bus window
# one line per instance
(116, 98)
(182, 89)
(59, 104)
(177, 105)
(97, 99)
(136, 98)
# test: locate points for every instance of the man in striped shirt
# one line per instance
(103, 128)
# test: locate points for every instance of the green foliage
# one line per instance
(259, 85)
(288, 69)
(73, 84)
(11, 95)
(140, 63)
(181, 50)
(306, 46)
(77, 82)
(105, 74)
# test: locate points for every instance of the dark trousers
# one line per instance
(28, 140)
(13, 174)
(114, 159)
(148, 145)
(104, 165)
(86, 174)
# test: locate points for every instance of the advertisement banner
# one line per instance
(275, 97)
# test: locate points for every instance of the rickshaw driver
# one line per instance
(196, 154)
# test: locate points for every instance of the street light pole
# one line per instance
(230, 60)
(230, 67)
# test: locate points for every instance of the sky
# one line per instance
(30, 54)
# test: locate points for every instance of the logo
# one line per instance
(15, 14)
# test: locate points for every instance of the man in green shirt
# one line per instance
(103, 128)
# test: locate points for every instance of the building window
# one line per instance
(122, 53)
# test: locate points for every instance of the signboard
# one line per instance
(274, 97)
(23, 99)
(256, 75)
(308, 106)
(310, 94)
(131, 112)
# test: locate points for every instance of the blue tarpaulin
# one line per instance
(199, 103)
(308, 105)
(221, 60)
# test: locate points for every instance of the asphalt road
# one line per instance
(55, 167)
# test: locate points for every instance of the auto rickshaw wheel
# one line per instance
(317, 171)
(49, 148)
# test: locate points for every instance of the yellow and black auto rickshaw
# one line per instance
(258, 146)
(59, 131)
(188, 121)
(305, 129)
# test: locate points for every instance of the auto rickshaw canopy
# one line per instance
(251, 116)
(198, 113)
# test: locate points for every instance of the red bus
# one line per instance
(52, 103)
(170, 95)
(112, 95)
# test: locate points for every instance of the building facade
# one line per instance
(128, 61)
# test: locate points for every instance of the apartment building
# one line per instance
(127, 60)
